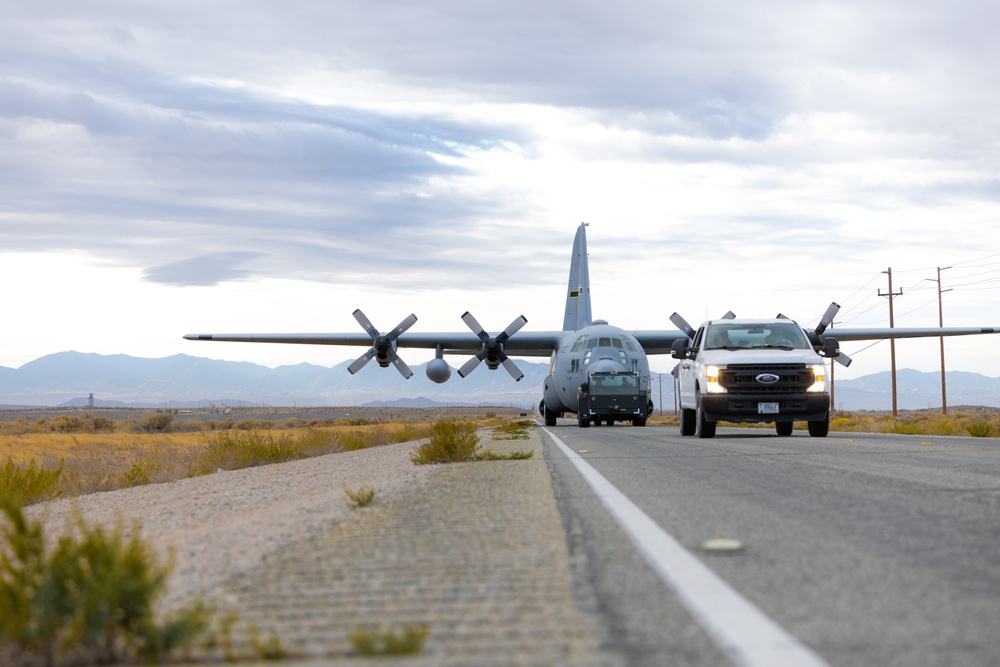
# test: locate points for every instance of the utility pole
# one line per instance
(892, 341)
(944, 393)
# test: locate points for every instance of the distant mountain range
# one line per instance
(69, 378)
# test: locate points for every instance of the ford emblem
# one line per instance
(767, 378)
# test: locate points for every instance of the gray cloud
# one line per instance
(163, 136)
(203, 270)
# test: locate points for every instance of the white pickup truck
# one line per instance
(760, 370)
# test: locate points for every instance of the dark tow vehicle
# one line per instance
(611, 396)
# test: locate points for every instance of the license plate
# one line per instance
(767, 408)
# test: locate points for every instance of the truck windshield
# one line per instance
(746, 336)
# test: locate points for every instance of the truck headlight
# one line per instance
(712, 385)
(819, 379)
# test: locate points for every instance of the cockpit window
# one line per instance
(741, 336)
(604, 341)
(580, 343)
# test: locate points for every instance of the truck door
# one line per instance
(687, 372)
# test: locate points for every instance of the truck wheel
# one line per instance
(609, 422)
(639, 421)
(584, 423)
(703, 428)
(784, 428)
(820, 429)
(687, 421)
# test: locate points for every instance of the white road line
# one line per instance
(743, 632)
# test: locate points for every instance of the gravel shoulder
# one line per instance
(217, 526)
(475, 551)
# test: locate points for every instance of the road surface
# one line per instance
(867, 549)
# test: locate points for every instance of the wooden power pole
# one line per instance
(892, 341)
(944, 391)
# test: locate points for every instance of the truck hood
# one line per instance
(764, 355)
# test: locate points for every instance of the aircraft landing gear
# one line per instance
(548, 415)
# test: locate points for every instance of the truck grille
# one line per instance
(742, 378)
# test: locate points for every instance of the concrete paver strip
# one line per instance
(475, 551)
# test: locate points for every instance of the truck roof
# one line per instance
(753, 320)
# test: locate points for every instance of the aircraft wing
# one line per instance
(524, 344)
(848, 334)
(658, 341)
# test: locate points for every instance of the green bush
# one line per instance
(451, 440)
(27, 485)
(980, 429)
(361, 497)
(67, 424)
(235, 449)
(89, 599)
(160, 422)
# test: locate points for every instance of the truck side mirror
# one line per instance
(831, 347)
(679, 349)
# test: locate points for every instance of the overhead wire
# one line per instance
(851, 313)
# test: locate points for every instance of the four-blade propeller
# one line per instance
(383, 346)
(492, 350)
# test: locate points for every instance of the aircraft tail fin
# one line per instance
(578, 314)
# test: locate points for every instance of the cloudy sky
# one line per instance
(240, 166)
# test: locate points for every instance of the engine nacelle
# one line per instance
(438, 370)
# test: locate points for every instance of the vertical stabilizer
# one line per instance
(578, 313)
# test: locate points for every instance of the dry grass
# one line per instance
(919, 422)
(980, 423)
(127, 453)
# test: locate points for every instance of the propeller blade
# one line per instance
(827, 318)
(512, 368)
(360, 362)
(473, 323)
(401, 366)
(365, 323)
(512, 328)
(843, 359)
(470, 365)
(730, 315)
(401, 327)
(683, 325)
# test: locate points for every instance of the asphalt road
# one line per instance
(869, 549)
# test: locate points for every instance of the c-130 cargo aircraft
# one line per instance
(585, 355)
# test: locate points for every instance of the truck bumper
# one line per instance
(791, 407)
(620, 410)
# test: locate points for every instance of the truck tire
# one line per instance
(687, 421)
(639, 421)
(703, 428)
(784, 428)
(820, 428)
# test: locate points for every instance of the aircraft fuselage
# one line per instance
(599, 347)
